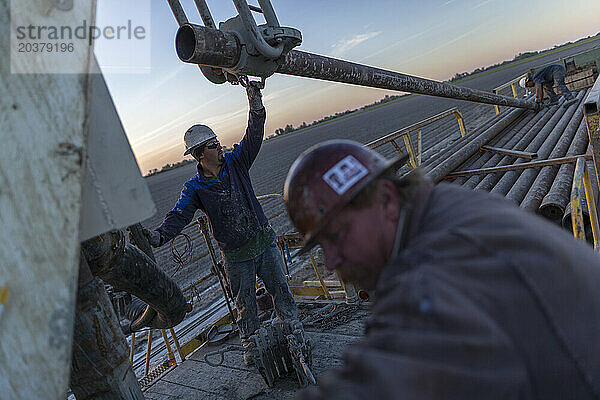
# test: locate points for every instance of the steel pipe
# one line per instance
(127, 268)
(508, 180)
(207, 18)
(255, 36)
(178, 12)
(508, 152)
(100, 366)
(207, 46)
(554, 204)
(567, 219)
(526, 179)
(489, 181)
(509, 140)
(308, 65)
(269, 13)
(517, 167)
(449, 152)
(440, 171)
(543, 181)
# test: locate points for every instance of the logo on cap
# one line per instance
(343, 175)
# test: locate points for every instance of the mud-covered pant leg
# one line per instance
(559, 79)
(271, 271)
(242, 279)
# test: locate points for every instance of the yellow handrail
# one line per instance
(415, 160)
(581, 184)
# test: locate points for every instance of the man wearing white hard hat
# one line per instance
(544, 80)
(223, 191)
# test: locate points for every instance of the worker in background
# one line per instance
(545, 78)
(475, 298)
(223, 191)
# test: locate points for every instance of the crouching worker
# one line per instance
(223, 191)
(545, 78)
(475, 298)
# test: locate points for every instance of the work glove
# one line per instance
(153, 237)
(254, 95)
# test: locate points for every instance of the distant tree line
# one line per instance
(520, 56)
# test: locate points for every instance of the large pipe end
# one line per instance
(206, 46)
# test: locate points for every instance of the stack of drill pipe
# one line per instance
(519, 141)
(546, 175)
(454, 147)
(470, 145)
(488, 181)
(566, 221)
(510, 177)
(438, 148)
(504, 141)
(565, 128)
(555, 202)
(487, 159)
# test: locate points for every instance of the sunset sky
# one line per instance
(428, 38)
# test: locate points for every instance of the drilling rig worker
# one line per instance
(545, 78)
(223, 191)
(474, 298)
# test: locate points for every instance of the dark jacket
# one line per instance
(483, 301)
(546, 74)
(229, 201)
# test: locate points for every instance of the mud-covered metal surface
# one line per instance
(197, 379)
(308, 65)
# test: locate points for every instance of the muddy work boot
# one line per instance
(249, 352)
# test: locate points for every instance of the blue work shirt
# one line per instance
(546, 74)
(228, 200)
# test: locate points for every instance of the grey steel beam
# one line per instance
(308, 65)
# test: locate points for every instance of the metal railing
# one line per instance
(581, 179)
(513, 86)
(582, 184)
(414, 160)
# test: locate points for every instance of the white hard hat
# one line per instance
(196, 136)
(522, 82)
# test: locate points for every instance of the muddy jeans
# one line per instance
(558, 78)
(242, 277)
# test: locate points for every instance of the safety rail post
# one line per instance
(168, 344)
(514, 90)
(177, 346)
(132, 348)
(581, 184)
(412, 160)
(591, 111)
(420, 146)
(148, 349)
(314, 264)
(513, 85)
(461, 123)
